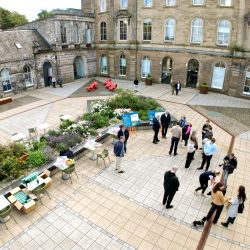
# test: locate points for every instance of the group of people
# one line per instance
(182, 131)
(175, 86)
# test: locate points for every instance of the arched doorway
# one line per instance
(47, 73)
(167, 64)
(78, 67)
(192, 73)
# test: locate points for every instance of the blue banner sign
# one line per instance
(131, 119)
(152, 115)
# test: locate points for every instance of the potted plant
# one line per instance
(203, 88)
(148, 80)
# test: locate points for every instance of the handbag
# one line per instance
(241, 208)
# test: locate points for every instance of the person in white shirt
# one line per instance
(190, 152)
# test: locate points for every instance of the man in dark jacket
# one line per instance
(165, 121)
(123, 132)
(229, 165)
(156, 128)
(206, 129)
(119, 153)
(171, 185)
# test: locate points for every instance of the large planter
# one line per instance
(203, 90)
(148, 81)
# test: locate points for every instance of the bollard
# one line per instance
(205, 233)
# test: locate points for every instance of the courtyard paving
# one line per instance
(104, 210)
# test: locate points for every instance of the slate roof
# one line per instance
(26, 38)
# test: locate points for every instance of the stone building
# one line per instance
(193, 41)
(18, 60)
(61, 46)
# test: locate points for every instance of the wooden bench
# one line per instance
(5, 100)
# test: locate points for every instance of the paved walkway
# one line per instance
(103, 210)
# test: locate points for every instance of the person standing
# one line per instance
(229, 165)
(156, 128)
(123, 132)
(165, 121)
(136, 83)
(206, 127)
(182, 121)
(234, 205)
(190, 153)
(171, 185)
(194, 137)
(173, 83)
(176, 135)
(209, 150)
(205, 178)
(186, 133)
(218, 201)
(119, 153)
(177, 87)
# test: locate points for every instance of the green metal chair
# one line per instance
(5, 213)
(40, 190)
(69, 171)
(103, 155)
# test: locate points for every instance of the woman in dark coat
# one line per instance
(186, 133)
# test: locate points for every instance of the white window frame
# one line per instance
(198, 2)
(5, 80)
(76, 33)
(145, 62)
(103, 31)
(247, 78)
(172, 29)
(218, 70)
(104, 64)
(28, 78)
(171, 2)
(123, 34)
(148, 3)
(222, 41)
(226, 3)
(148, 33)
(194, 29)
(123, 4)
(102, 6)
(122, 65)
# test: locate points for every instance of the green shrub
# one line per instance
(10, 167)
(36, 158)
(54, 133)
(65, 124)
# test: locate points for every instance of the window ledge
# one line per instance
(169, 42)
(202, 5)
(7, 91)
(222, 6)
(222, 45)
(104, 12)
(170, 6)
(245, 94)
(196, 43)
(148, 7)
(146, 41)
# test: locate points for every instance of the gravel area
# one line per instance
(234, 120)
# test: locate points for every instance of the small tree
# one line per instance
(44, 14)
(10, 19)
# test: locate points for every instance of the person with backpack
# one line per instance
(229, 165)
(236, 206)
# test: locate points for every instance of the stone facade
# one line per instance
(209, 58)
(61, 47)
